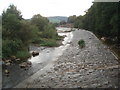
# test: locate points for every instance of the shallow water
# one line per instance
(52, 53)
(45, 57)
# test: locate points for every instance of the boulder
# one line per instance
(35, 54)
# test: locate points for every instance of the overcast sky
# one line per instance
(47, 8)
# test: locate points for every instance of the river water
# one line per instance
(45, 57)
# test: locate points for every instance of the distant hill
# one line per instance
(57, 19)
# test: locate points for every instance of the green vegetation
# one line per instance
(46, 33)
(19, 33)
(23, 54)
(81, 43)
(49, 42)
(72, 19)
(102, 19)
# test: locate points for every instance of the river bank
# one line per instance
(91, 67)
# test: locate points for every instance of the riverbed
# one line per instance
(94, 66)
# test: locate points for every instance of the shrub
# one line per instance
(49, 32)
(37, 40)
(49, 42)
(9, 47)
(45, 42)
(81, 43)
(59, 37)
(14, 48)
(23, 54)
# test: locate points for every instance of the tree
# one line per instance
(11, 25)
(71, 19)
(12, 10)
(39, 21)
(16, 33)
(101, 18)
(79, 22)
(49, 32)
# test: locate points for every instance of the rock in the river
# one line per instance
(7, 72)
(18, 59)
(8, 61)
(23, 65)
(7, 64)
(35, 54)
(90, 67)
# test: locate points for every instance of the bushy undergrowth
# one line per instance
(14, 48)
(49, 42)
(22, 54)
(46, 42)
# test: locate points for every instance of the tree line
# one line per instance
(102, 18)
(18, 33)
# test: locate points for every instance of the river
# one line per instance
(46, 56)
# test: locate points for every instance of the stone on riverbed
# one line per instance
(25, 64)
(7, 64)
(18, 59)
(13, 57)
(35, 53)
(7, 72)
(8, 61)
